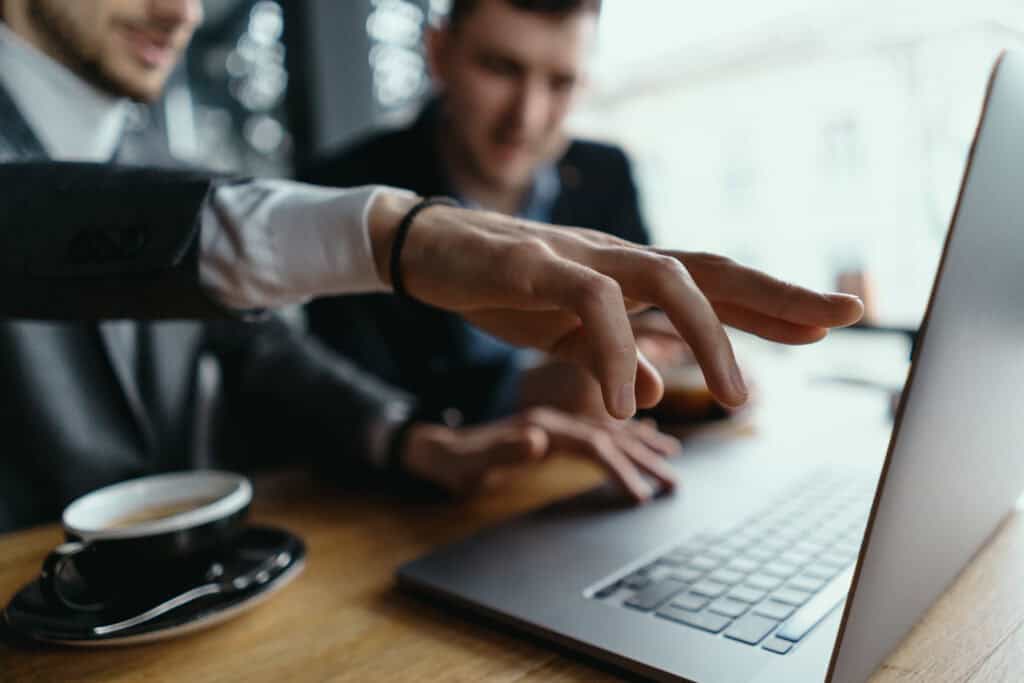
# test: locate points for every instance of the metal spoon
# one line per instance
(260, 574)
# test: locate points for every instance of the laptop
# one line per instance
(766, 568)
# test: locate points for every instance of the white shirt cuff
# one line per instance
(273, 243)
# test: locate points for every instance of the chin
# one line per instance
(138, 84)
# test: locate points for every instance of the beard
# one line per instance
(57, 25)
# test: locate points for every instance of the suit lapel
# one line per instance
(571, 179)
(116, 345)
(18, 142)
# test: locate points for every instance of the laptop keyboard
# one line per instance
(765, 583)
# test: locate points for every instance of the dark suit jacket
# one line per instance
(84, 242)
(428, 352)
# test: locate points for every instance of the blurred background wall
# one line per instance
(800, 136)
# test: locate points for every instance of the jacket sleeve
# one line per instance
(630, 217)
(288, 399)
(90, 241)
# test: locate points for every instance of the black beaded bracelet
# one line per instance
(397, 282)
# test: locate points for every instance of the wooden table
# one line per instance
(343, 620)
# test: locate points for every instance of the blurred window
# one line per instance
(803, 137)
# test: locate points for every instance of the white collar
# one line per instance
(74, 120)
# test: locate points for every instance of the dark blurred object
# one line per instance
(911, 333)
(687, 398)
(356, 65)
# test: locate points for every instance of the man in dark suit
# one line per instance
(508, 72)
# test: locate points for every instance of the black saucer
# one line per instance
(31, 614)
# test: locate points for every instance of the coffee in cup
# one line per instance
(138, 535)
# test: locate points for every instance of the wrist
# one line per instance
(386, 212)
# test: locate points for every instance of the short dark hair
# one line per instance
(460, 9)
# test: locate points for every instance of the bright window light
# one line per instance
(805, 137)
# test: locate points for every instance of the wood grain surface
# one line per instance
(343, 619)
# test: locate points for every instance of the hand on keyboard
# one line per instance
(463, 460)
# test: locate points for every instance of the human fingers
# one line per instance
(650, 386)
(644, 458)
(509, 442)
(725, 281)
(561, 332)
(769, 327)
(653, 323)
(647, 432)
(665, 282)
(460, 460)
(604, 343)
(536, 329)
(579, 437)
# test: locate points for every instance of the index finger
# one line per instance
(665, 282)
(724, 281)
(605, 343)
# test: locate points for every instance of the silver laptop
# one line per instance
(764, 567)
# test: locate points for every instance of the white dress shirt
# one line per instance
(264, 243)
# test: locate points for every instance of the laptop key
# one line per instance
(686, 550)
(778, 646)
(790, 534)
(691, 601)
(751, 629)
(704, 562)
(637, 581)
(820, 571)
(775, 545)
(705, 539)
(729, 607)
(774, 610)
(790, 596)
(726, 576)
(795, 557)
(783, 570)
(655, 594)
(743, 564)
(763, 582)
(711, 589)
(759, 553)
(806, 618)
(803, 582)
(674, 560)
(705, 621)
(737, 542)
(809, 547)
(747, 594)
(687, 574)
(720, 552)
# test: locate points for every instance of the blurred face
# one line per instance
(509, 78)
(127, 47)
